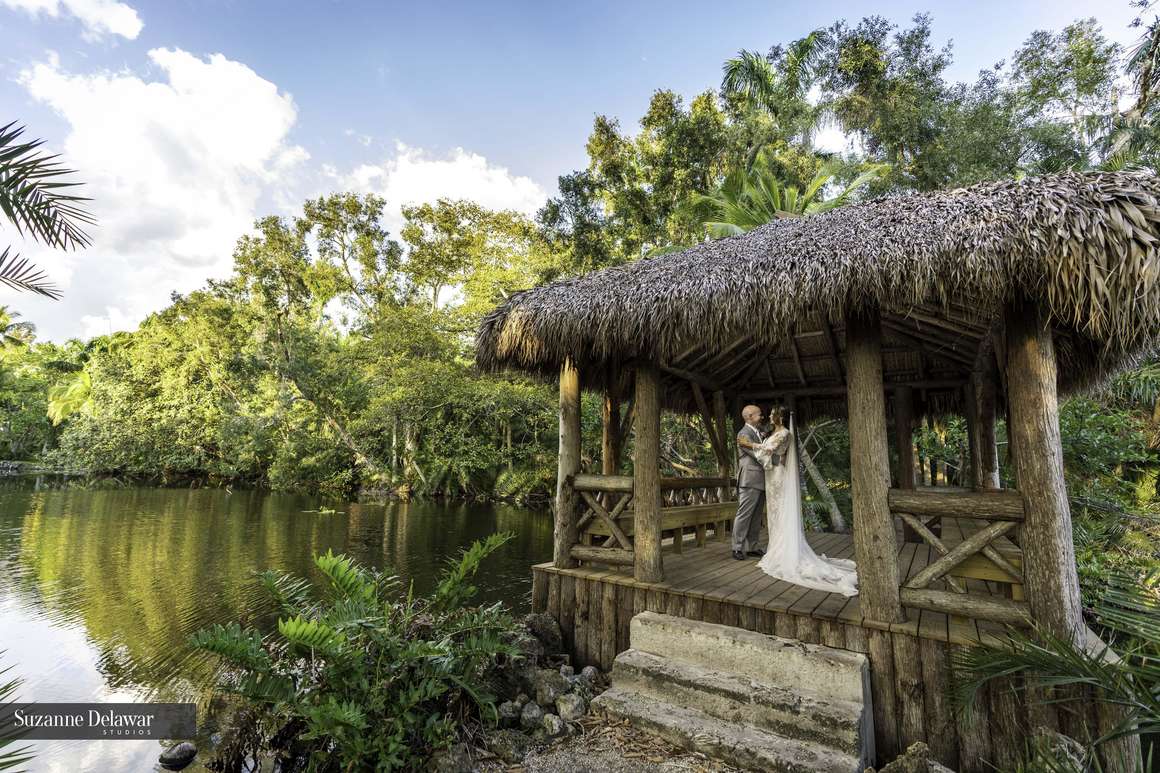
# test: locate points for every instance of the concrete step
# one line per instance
(791, 713)
(823, 671)
(740, 745)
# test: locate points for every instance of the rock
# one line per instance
(554, 726)
(590, 674)
(545, 628)
(1066, 752)
(567, 672)
(531, 716)
(550, 686)
(511, 746)
(509, 713)
(916, 759)
(571, 707)
(178, 756)
(455, 759)
(522, 699)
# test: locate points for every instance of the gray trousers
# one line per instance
(747, 523)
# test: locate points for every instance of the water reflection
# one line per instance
(99, 590)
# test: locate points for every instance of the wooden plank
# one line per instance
(959, 553)
(1005, 505)
(937, 544)
(624, 615)
(553, 606)
(886, 725)
(539, 591)
(580, 626)
(567, 614)
(596, 623)
(597, 510)
(993, 608)
(857, 638)
(606, 483)
(974, 734)
(908, 690)
(672, 517)
(1009, 730)
(616, 556)
(931, 624)
(941, 733)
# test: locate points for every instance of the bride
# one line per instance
(788, 556)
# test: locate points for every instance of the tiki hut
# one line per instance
(992, 300)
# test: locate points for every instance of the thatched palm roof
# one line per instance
(939, 266)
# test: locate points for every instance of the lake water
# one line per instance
(100, 590)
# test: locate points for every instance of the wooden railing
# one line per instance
(605, 527)
(921, 510)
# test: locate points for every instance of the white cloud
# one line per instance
(414, 176)
(176, 169)
(99, 17)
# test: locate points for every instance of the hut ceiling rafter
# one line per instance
(939, 265)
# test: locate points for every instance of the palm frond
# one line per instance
(36, 197)
(21, 274)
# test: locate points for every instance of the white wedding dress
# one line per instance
(788, 556)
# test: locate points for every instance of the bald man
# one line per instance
(750, 487)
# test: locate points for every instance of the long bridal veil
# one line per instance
(789, 556)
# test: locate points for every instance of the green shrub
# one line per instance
(364, 676)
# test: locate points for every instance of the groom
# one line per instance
(750, 488)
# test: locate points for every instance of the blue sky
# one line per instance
(188, 119)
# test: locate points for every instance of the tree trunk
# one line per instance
(875, 546)
(646, 500)
(565, 534)
(837, 520)
(1048, 552)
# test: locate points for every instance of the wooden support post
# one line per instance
(984, 451)
(1048, 551)
(875, 546)
(565, 533)
(904, 435)
(647, 477)
(724, 463)
(904, 441)
(611, 436)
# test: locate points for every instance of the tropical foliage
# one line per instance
(368, 677)
(37, 200)
(336, 357)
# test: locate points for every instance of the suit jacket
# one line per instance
(750, 473)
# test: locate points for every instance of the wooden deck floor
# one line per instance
(707, 576)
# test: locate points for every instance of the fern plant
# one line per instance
(364, 675)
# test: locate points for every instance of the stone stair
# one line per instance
(754, 701)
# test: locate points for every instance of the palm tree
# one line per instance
(14, 332)
(779, 84)
(753, 197)
(35, 197)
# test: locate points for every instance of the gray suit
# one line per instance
(750, 494)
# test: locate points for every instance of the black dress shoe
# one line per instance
(756, 553)
(738, 555)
